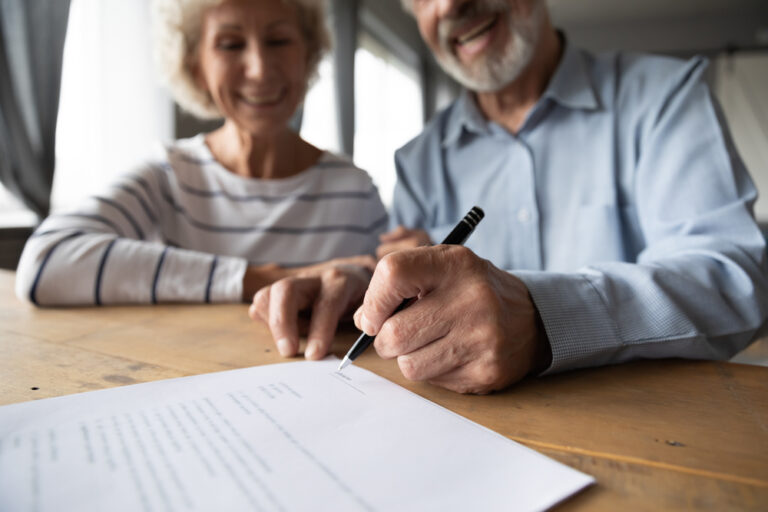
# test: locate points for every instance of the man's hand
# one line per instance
(401, 238)
(328, 291)
(473, 328)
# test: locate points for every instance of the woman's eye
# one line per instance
(279, 41)
(227, 44)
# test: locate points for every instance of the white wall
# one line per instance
(741, 84)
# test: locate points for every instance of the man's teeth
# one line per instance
(260, 100)
(475, 32)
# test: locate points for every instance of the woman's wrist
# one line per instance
(258, 276)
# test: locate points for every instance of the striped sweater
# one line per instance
(181, 228)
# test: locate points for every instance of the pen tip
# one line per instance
(344, 363)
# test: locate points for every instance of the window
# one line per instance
(319, 125)
(388, 111)
(13, 213)
(112, 111)
(740, 86)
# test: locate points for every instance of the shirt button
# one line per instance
(523, 215)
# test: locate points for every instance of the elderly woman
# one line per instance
(216, 217)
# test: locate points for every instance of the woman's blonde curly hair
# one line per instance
(177, 29)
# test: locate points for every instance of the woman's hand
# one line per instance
(328, 291)
(257, 277)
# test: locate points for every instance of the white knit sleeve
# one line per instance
(110, 250)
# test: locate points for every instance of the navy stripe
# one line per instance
(144, 185)
(38, 234)
(125, 213)
(350, 228)
(33, 289)
(343, 194)
(97, 218)
(323, 164)
(151, 216)
(97, 285)
(210, 280)
(326, 196)
(157, 275)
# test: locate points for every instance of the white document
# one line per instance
(293, 436)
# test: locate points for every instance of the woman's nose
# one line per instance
(255, 61)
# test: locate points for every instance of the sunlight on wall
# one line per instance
(319, 125)
(388, 111)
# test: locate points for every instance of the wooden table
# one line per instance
(657, 435)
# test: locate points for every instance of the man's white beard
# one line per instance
(497, 68)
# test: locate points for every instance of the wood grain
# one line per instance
(657, 435)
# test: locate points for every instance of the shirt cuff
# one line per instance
(227, 279)
(578, 325)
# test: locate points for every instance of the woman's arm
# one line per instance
(111, 250)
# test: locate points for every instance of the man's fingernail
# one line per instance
(366, 326)
(312, 350)
(252, 310)
(284, 346)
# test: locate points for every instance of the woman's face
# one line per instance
(252, 59)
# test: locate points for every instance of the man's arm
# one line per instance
(698, 289)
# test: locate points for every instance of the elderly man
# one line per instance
(618, 214)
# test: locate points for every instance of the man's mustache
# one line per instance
(466, 13)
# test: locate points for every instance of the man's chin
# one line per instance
(476, 77)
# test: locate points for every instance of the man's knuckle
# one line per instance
(396, 332)
(388, 268)
(481, 332)
(490, 376)
(383, 347)
(261, 298)
(408, 368)
(458, 252)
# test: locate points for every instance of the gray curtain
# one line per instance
(344, 26)
(31, 49)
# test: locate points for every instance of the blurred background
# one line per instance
(374, 93)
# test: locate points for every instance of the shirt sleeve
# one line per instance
(110, 250)
(698, 290)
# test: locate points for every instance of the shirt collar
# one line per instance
(570, 87)
(465, 115)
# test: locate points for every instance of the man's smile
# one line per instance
(475, 30)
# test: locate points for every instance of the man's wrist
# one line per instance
(542, 356)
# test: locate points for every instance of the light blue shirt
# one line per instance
(621, 204)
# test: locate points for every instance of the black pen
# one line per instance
(458, 236)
